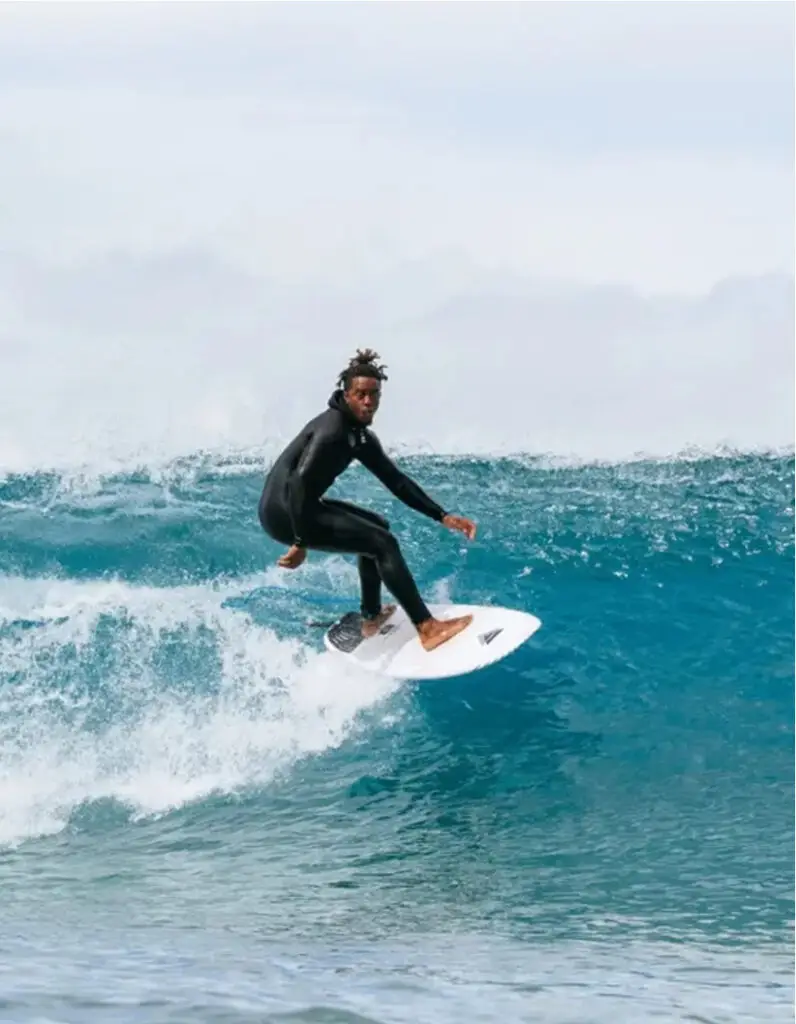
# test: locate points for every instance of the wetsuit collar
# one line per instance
(337, 401)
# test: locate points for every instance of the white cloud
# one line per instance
(466, 40)
(154, 359)
(649, 143)
(307, 151)
(300, 191)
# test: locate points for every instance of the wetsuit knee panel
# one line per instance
(384, 542)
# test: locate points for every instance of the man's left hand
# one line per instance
(460, 523)
(293, 559)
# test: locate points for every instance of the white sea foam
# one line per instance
(90, 708)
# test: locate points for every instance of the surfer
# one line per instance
(293, 511)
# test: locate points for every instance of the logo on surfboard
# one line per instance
(489, 636)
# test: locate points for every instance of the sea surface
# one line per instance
(204, 817)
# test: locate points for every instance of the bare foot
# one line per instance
(436, 631)
(370, 627)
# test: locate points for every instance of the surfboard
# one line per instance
(396, 650)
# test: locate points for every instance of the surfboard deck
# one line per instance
(396, 650)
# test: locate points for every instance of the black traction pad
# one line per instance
(346, 634)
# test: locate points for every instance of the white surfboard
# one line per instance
(396, 650)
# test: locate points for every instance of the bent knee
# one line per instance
(385, 543)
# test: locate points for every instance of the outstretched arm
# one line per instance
(374, 458)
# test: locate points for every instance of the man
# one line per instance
(293, 511)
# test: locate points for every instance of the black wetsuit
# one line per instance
(293, 510)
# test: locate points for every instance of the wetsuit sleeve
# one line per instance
(299, 481)
(373, 457)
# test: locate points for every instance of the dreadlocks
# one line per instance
(363, 364)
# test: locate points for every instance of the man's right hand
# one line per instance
(293, 559)
(460, 523)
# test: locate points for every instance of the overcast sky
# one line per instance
(638, 142)
(183, 187)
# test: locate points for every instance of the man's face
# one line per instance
(363, 397)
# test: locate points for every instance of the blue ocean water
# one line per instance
(205, 817)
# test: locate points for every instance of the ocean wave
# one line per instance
(157, 669)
